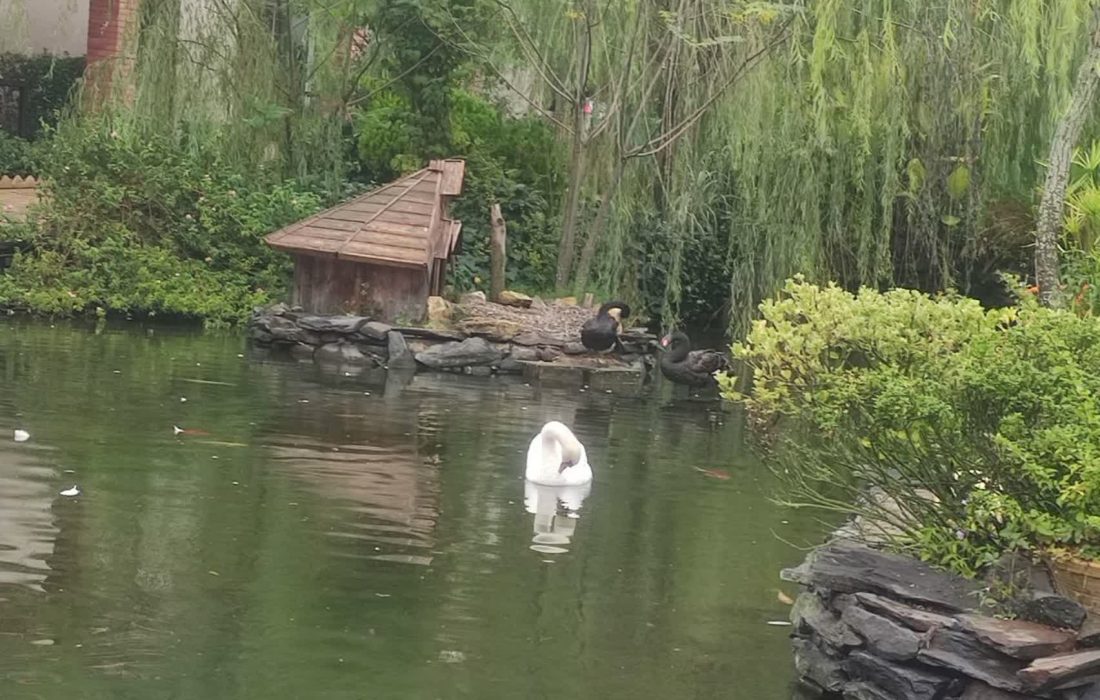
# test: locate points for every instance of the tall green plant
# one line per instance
(968, 432)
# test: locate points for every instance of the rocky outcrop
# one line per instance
(471, 352)
(517, 299)
(871, 624)
(481, 345)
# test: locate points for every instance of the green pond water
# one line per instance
(315, 535)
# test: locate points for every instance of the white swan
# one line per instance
(557, 458)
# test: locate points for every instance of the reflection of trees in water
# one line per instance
(661, 557)
(366, 462)
(27, 528)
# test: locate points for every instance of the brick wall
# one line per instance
(109, 21)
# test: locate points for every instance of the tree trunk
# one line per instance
(576, 159)
(572, 204)
(584, 265)
(497, 248)
(1052, 205)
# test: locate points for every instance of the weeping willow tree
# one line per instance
(625, 83)
(265, 83)
(875, 143)
(881, 146)
(716, 147)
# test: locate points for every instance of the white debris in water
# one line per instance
(176, 430)
(449, 656)
(22, 436)
(183, 399)
(779, 623)
(43, 642)
(74, 491)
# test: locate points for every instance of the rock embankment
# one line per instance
(476, 337)
(871, 625)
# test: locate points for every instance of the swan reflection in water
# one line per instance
(556, 510)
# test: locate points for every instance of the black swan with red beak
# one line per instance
(682, 365)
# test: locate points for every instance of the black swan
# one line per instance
(602, 332)
(682, 365)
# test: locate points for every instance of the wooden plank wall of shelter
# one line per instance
(333, 286)
(16, 195)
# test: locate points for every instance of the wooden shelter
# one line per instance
(381, 254)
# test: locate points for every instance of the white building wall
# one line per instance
(56, 27)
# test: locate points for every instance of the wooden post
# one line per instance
(497, 242)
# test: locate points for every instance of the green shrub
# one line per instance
(142, 224)
(514, 161)
(15, 155)
(982, 426)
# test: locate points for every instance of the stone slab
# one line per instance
(553, 374)
(1018, 638)
(963, 653)
(913, 618)
(883, 636)
(847, 567)
(901, 682)
(625, 380)
(1061, 671)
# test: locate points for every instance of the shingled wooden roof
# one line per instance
(401, 224)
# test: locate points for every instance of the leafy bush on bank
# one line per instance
(15, 155)
(145, 225)
(982, 427)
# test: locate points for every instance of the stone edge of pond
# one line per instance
(871, 625)
(358, 342)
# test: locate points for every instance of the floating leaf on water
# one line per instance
(22, 436)
(784, 598)
(719, 474)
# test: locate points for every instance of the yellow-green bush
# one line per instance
(982, 426)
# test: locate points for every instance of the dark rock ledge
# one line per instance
(352, 344)
(870, 625)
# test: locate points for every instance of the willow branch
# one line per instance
(663, 141)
